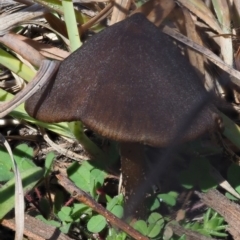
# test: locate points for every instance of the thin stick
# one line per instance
(86, 199)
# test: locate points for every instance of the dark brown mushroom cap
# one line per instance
(127, 83)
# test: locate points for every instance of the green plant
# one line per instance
(113, 234)
(90, 179)
(155, 201)
(86, 177)
(212, 225)
(30, 173)
(152, 227)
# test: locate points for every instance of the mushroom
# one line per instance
(131, 84)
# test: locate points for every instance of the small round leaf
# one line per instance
(96, 224)
(141, 226)
(117, 211)
(155, 225)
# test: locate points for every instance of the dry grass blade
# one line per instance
(46, 50)
(61, 150)
(196, 59)
(223, 13)
(14, 85)
(19, 195)
(10, 21)
(156, 10)
(237, 8)
(210, 55)
(103, 14)
(198, 8)
(22, 48)
(120, 10)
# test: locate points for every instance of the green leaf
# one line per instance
(78, 209)
(154, 229)
(80, 175)
(29, 178)
(108, 198)
(117, 200)
(5, 158)
(16, 66)
(222, 227)
(5, 173)
(117, 211)
(23, 155)
(183, 237)
(71, 24)
(98, 175)
(195, 226)
(207, 215)
(141, 226)
(65, 227)
(64, 214)
(97, 178)
(169, 198)
(96, 224)
(212, 224)
(154, 217)
(155, 224)
(49, 222)
(114, 235)
(153, 203)
(231, 197)
(48, 163)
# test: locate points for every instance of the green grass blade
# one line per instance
(70, 20)
(16, 66)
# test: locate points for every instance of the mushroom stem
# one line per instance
(90, 147)
(133, 174)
